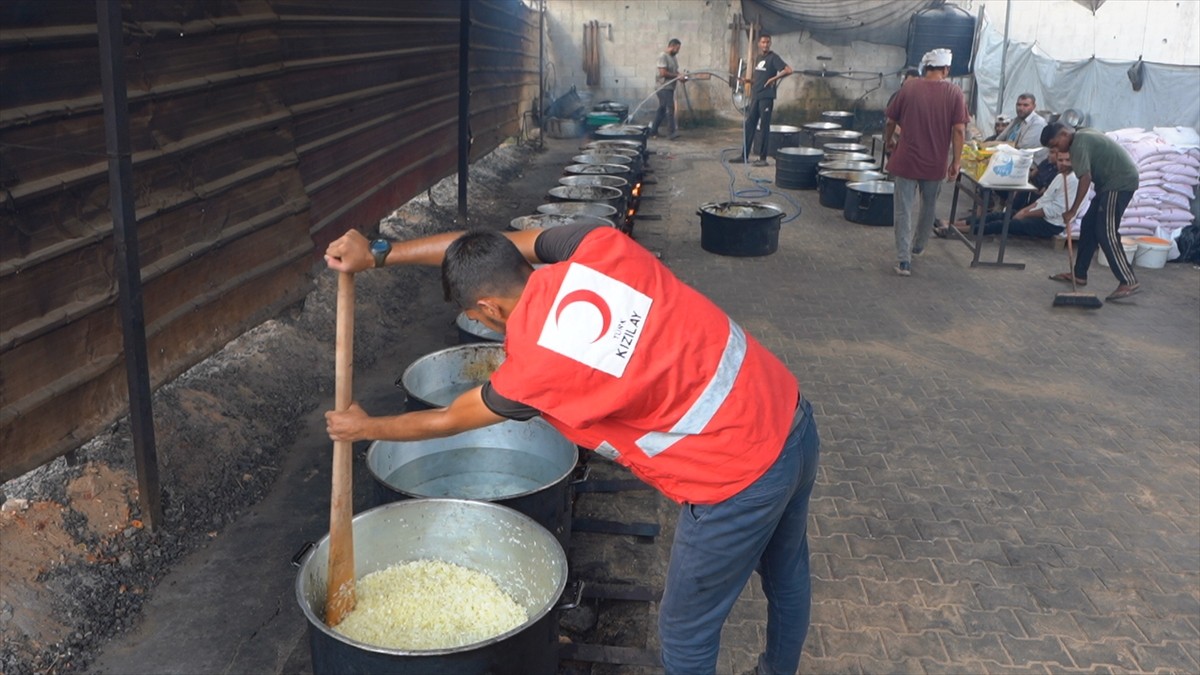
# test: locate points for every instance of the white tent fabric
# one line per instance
(1101, 90)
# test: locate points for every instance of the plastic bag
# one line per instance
(1007, 167)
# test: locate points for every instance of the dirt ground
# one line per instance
(78, 559)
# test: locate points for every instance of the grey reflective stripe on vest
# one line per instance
(705, 407)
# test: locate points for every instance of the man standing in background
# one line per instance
(933, 114)
(668, 74)
(768, 70)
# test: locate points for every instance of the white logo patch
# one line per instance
(595, 320)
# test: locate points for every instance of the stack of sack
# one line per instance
(1168, 161)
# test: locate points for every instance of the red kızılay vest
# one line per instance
(622, 357)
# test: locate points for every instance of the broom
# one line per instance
(1074, 298)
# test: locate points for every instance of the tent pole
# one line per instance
(1004, 56)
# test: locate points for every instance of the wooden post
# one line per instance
(129, 276)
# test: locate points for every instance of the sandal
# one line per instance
(1124, 291)
(1065, 277)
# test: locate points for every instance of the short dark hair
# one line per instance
(1050, 132)
(1029, 97)
(482, 263)
(673, 42)
(764, 35)
(911, 72)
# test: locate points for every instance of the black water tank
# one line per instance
(945, 27)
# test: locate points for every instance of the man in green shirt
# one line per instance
(1100, 162)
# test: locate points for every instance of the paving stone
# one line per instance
(963, 649)
(1115, 654)
(1036, 650)
(1059, 623)
(924, 644)
(998, 621)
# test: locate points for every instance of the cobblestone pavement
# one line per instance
(1004, 486)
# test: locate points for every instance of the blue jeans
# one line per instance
(765, 528)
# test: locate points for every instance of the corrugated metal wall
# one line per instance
(261, 129)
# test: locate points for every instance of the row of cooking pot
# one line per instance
(601, 184)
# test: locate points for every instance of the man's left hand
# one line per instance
(952, 172)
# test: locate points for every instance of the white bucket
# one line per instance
(1129, 244)
(1152, 253)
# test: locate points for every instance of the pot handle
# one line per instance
(864, 201)
(399, 384)
(577, 593)
(305, 549)
(581, 475)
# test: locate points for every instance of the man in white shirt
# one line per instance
(1043, 218)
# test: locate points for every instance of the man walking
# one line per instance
(768, 70)
(668, 76)
(602, 343)
(933, 114)
(1098, 161)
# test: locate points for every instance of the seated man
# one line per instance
(998, 127)
(1042, 219)
(1025, 132)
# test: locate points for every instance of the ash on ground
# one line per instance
(79, 560)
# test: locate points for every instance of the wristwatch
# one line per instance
(380, 248)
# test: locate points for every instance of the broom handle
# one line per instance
(1070, 252)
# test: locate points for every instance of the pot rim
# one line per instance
(319, 624)
(708, 207)
(578, 169)
(492, 500)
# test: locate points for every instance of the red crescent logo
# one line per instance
(591, 298)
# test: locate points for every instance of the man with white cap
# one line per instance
(933, 113)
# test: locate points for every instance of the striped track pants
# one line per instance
(1099, 228)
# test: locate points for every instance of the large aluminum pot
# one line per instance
(835, 156)
(838, 165)
(621, 145)
(436, 379)
(796, 168)
(589, 193)
(869, 203)
(579, 208)
(831, 185)
(824, 138)
(545, 221)
(524, 559)
(623, 132)
(600, 157)
(846, 147)
(739, 228)
(621, 170)
(840, 117)
(607, 181)
(522, 465)
(470, 330)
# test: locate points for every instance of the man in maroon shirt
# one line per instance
(933, 114)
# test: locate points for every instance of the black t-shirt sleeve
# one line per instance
(559, 243)
(506, 407)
